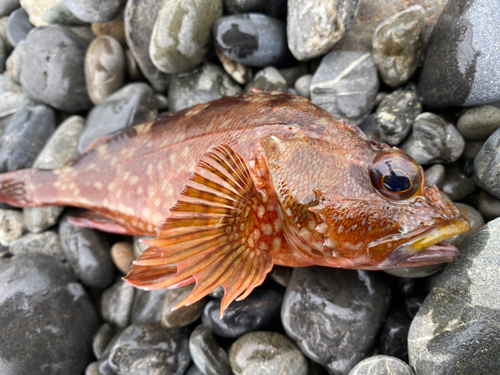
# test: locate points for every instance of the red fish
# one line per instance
(232, 187)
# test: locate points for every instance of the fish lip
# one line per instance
(428, 249)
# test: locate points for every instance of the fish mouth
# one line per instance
(428, 248)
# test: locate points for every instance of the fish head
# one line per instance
(360, 204)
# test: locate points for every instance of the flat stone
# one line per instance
(314, 28)
(116, 303)
(488, 206)
(18, 27)
(479, 123)
(267, 79)
(122, 254)
(487, 165)
(94, 10)
(476, 222)
(207, 354)
(114, 28)
(382, 365)
(59, 14)
(11, 226)
(345, 85)
(182, 34)
(147, 305)
(184, 315)
(35, 9)
(47, 243)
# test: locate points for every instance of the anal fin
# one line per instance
(213, 234)
(95, 220)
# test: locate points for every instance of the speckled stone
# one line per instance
(456, 329)
(94, 10)
(206, 353)
(458, 185)
(267, 79)
(116, 303)
(47, 243)
(476, 222)
(382, 365)
(398, 44)
(488, 206)
(237, 71)
(393, 338)
(266, 353)
(487, 165)
(18, 27)
(434, 175)
(59, 14)
(184, 315)
(114, 28)
(11, 226)
(147, 305)
(122, 254)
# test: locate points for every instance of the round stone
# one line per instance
(114, 28)
(11, 226)
(18, 27)
(35, 9)
(434, 175)
(488, 206)
(381, 365)
(94, 10)
(267, 79)
(122, 254)
(184, 315)
(102, 338)
(281, 275)
(303, 85)
(479, 123)
(8, 6)
(458, 185)
(116, 303)
(487, 165)
(206, 353)
(237, 71)
(147, 305)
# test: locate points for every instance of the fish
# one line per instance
(232, 187)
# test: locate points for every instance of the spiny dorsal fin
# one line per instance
(213, 234)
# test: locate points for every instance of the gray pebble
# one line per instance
(471, 149)
(116, 303)
(139, 247)
(161, 102)
(479, 123)
(59, 14)
(147, 305)
(219, 292)
(303, 85)
(206, 353)
(12, 96)
(47, 243)
(7, 6)
(267, 79)
(84, 33)
(11, 226)
(415, 272)
(475, 219)
(434, 175)
(488, 206)
(382, 365)
(293, 73)
(345, 85)
(393, 340)
(245, 6)
(487, 165)
(14, 62)
(184, 315)
(94, 10)
(281, 275)
(18, 27)
(102, 338)
(92, 369)
(457, 185)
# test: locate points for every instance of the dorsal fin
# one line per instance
(213, 234)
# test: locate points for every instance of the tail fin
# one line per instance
(13, 188)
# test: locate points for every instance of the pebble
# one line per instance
(87, 253)
(24, 136)
(52, 68)
(47, 318)
(59, 149)
(434, 175)
(457, 185)
(130, 105)
(122, 254)
(13, 66)
(333, 314)
(260, 310)
(303, 85)
(138, 29)
(12, 96)
(245, 6)
(433, 140)
(488, 206)
(281, 275)
(345, 85)
(184, 315)
(11, 226)
(219, 292)
(84, 33)
(92, 369)
(459, 66)
(114, 28)
(3, 55)
(415, 272)
(102, 338)
(133, 70)
(116, 303)
(471, 149)
(252, 39)
(18, 27)
(139, 247)
(456, 329)
(237, 71)
(182, 34)
(395, 115)
(94, 10)
(479, 123)
(8, 6)
(393, 339)
(266, 353)
(206, 83)
(475, 219)
(398, 45)
(59, 14)
(487, 165)
(35, 9)
(104, 68)
(149, 349)
(267, 79)
(47, 243)
(147, 305)
(382, 365)
(161, 102)
(294, 73)
(314, 28)
(206, 353)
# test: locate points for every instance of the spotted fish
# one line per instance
(232, 187)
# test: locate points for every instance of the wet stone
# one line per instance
(398, 44)
(382, 365)
(314, 28)
(94, 10)
(479, 123)
(394, 336)
(18, 27)
(206, 83)
(114, 28)
(471, 149)
(8, 6)
(281, 275)
(52, 68)
(466, 28)
(260, 310)
(252, 39)
(303, 85)
(147, 305)
(184, 315)
(161, 102)
(293, 73)
(245, 6)
(348, 305)
(475, 219)
(24, 137)
(122, 254)
(266, 353)
(46, 314)
(395, 115)
(456, 329)
(415, 272)
(59, 14)
(59, 149)
(457, 185)
(104, 68)
(433, 140)
(488, 206)
(102, 338)
(413, 304)
(206, 353)
(131, 105)
(11, 226)
(182, 34)
(219, 292)
(487, 165)
(345, 85)
(116, 303)
(47, 243)
(267, 79)
(434, 175)
(237, 71)
(149, 349)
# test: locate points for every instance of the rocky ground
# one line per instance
(421, 75)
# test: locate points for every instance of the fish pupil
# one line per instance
(396, 181)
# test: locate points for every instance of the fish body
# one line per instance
(232, 187)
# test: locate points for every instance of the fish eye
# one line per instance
(395, 175)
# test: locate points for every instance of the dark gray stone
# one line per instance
(24, 136)
(475, 219)
(303, 85)
(18, 27)
(479, 123)
(267, 79)
(415, 272)
(334, 314)
(94, 10)
(293, 73)
(487, 165)
(147, 305)
(52, 68)
(46, 319)
(260, 310)
(488, 206)
(7, 6)
(393, 340)
(116, 303)
(459, 66)
(457, 185)
(11, 226)
(252, 39)
(207, 354)
(59, 14)
(182, 34)
(395, 115)
(281, 275)
(345, 85)
(382, 365)
(184, 315)
(206, 83)
(472, 149)
(102, 338)
(266, 353)
(193, 370)
(398, 44)
(434, 175)
(149, 349)
(245, 6)
(131, 105)
(433, 140)
(47, 243)
(314, 28)
(139, 16)
(456, 329)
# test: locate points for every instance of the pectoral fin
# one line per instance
(95, 220)
(212, 234)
